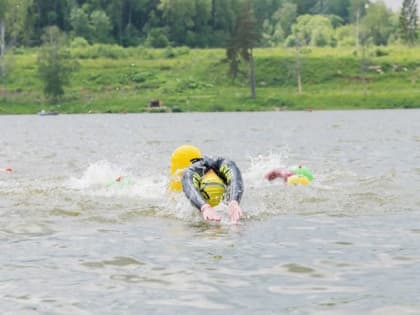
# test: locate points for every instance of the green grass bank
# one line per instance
(112, 79)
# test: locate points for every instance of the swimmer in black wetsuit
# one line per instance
(209, 180)
(206, 182)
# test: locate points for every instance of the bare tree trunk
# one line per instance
(120, 30)
(252, 74)
(357, 29)
(298, 70)
(129, 13)
(213, 12)
(3, 56)
(364, 66)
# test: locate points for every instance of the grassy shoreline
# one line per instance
(112, 80)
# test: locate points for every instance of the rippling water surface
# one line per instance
(75, 241)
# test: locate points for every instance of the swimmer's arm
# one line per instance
(231, 174)
(190, 190)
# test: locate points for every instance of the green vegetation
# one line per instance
(115, 79)
(54, 66)
(408, 22)
(122, 55)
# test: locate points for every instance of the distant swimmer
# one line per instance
(296, 175)
(207, 181)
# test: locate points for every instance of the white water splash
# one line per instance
(105, 179)
(333, 191)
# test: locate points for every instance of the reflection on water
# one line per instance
(75, 240)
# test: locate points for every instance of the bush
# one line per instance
(291, 41)
(380, 52)
(157, 38)
(175, 52)
(140, 77)
(79, 42)
(19, 51)
(111, 51)
(54, 66)
(100, 51)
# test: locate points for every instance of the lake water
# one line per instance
(75, 241)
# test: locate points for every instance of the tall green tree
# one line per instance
(202, 28)
(79, 20)
(331, 7)
(196, 23)
(299, 38)
(340, 8)
(286, 16)
(43, 13)
(12, 21)
(54, 64)
(378, 23)
(242, 43)
(365, 38)
(15, 14)
(272, 34)
(276, 28)
(134, 16)
(4, 5)
(408, 22)
(100, 26)
(264, 9)
(94, 26)
(357, 10)
(115, 11)
(223, 17)
(223, 14)
(304, 6)
(179, 17)
(131, 19)
(314, 30)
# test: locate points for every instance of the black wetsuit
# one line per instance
(225, 169)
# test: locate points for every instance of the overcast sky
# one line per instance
(395, 4)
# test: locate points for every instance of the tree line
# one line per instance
(239, 26)
(204, 23)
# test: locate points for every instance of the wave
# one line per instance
(106, 191)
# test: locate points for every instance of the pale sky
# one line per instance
(395, 4)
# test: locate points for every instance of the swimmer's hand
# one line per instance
(275, 173)
(209, 214)
(235, 211)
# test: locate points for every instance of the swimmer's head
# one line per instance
(301, 170)
(212, 188)
(182, 158)
(184, 155)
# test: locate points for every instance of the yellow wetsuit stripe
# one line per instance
(227, 173)
(196, 180)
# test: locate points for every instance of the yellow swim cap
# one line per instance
(298, 180)
(212, 188)
(181, 159)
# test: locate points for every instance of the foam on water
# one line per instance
(261, 197)
(334, 191)
(105, 179)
